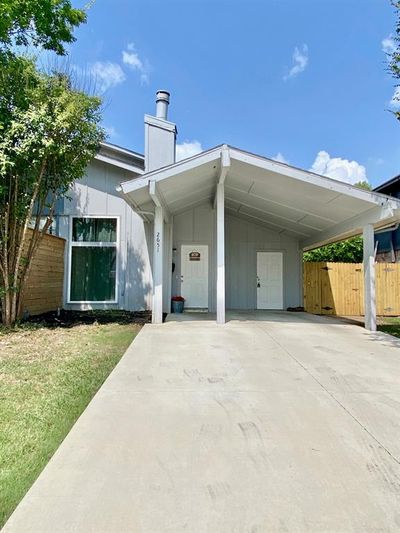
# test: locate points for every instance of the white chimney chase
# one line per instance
(160, 135)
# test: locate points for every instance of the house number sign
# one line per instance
(158, 241)
(194, 256)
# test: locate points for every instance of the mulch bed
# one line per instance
(69, 319)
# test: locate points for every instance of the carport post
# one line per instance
(220, 254)
(158, 253)
(369, 277)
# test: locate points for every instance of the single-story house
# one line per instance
(225, 228)
(387, 242)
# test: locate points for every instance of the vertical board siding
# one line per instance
(96, 194)
(44, 286)
(338, 288)
(243, 240)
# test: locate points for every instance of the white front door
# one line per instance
(194, 275)
(269, 280)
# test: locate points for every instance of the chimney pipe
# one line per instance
(162, 102)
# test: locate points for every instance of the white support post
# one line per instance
(301, 277)
(369, 277)
(220, 254)
(158, 252)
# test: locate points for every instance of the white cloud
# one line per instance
(106, 74)
(280, 158)
(395, 101)
(131, 58)
(110, 131)
(187, 149)
(338, 168)
(300, 62)
(388, 45)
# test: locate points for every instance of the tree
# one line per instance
(394, 56)
(46, 23)
(348, 251)
(49, 133)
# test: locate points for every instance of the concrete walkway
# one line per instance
(272, 422)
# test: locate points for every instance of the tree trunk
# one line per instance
(14, 272)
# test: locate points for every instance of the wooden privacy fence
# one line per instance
(338, 289)
(44, 286)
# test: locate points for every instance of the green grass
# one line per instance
(47, 378)
(390, 325)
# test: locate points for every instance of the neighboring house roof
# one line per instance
(121, 157)
(311, 208)
(390, 186)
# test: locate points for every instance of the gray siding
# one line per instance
(195, 226)
(95, 195)
(242, 241)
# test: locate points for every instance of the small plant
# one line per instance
(178, 299)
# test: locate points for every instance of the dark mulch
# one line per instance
(69, 319)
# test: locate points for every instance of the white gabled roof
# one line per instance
(313, 209)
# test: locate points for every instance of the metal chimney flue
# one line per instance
(162, 102)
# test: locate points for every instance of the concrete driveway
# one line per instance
(272, 422)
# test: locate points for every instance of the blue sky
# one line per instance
(302, 80)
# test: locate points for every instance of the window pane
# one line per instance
(94, 229)
(93, 273)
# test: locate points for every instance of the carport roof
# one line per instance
(313, 209)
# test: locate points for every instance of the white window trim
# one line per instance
(99, 244)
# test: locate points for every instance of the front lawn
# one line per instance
(48, 375)
(390, 325)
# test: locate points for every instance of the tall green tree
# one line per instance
(394, 57)
(49, 133)
(46, 23)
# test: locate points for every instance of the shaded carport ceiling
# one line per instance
(311, 208)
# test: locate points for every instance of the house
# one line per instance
(225, 228)
(387, 242)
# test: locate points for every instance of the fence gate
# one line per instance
(338, 288)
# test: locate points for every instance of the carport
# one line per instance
(297, 210)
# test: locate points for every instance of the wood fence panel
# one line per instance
(338, 288)
(312, 291)
(388, 288)
(44, 286)
(327, 278)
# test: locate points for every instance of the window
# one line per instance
(93, 260)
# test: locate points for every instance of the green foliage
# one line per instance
(49, 133)
(394, 57)
(45, 23)
(349, 251)
(364, 185)
(47, 127)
